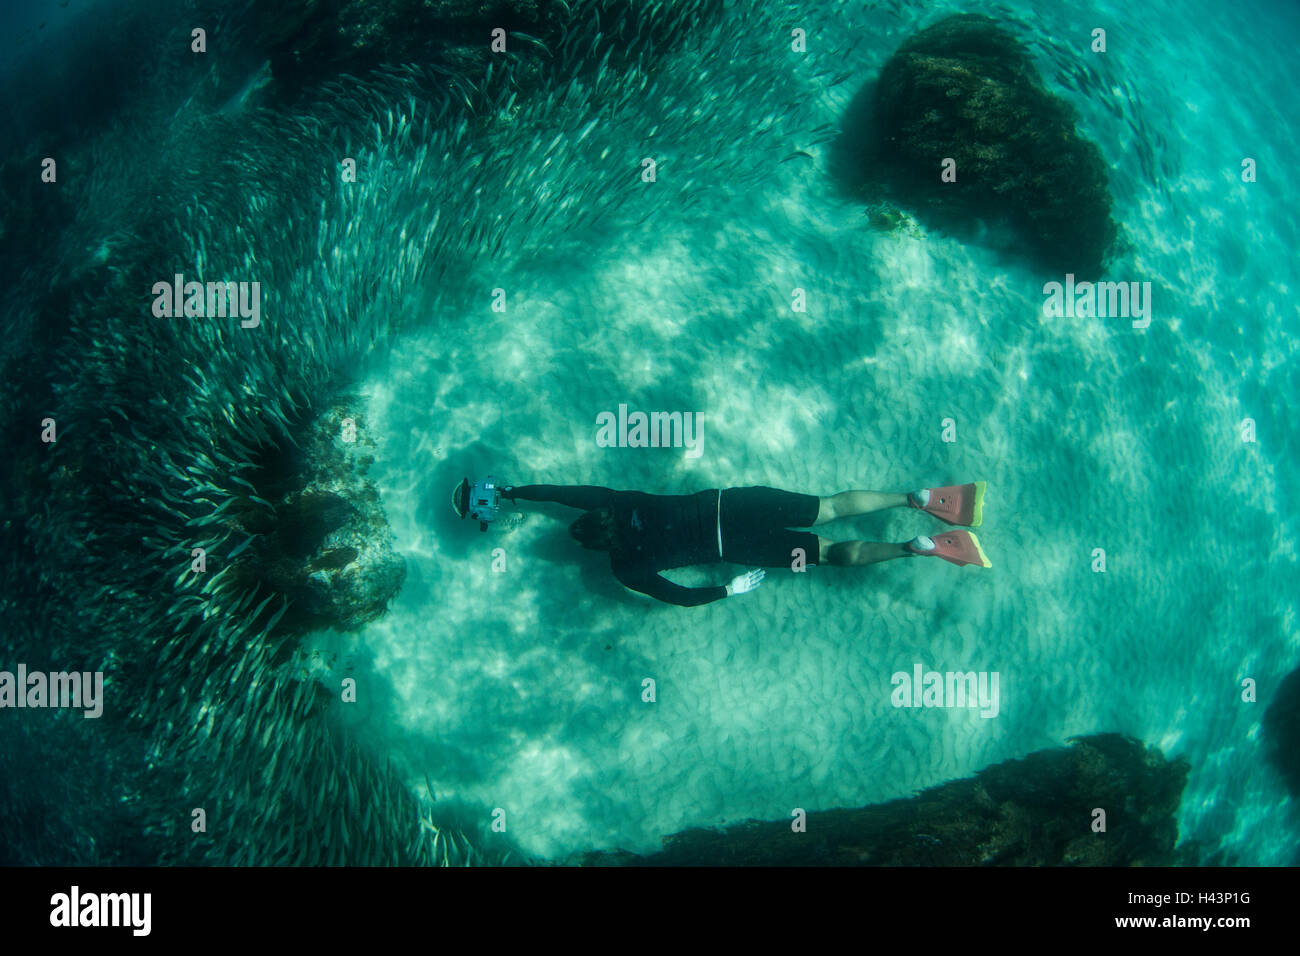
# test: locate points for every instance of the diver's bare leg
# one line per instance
(855, 553)
(846, 504)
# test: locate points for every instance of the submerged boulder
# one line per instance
(324, 541)
(964, 89)
(1038, 811)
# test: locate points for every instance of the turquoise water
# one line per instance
(1091, 434)
(521, 689)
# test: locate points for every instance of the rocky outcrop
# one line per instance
(964, 89)
(1037, 811)
(324, 541)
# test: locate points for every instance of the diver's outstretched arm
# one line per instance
(586, 497)
(661, 589)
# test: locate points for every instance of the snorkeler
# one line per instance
(645, 534)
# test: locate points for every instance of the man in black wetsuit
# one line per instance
(645, 534)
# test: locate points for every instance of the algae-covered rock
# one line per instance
(1038, 811)
(964, 89)
(325, 542)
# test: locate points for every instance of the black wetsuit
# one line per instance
(741, 525)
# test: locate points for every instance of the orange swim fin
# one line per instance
(955, 504)
(957, 547)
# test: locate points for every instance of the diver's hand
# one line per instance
(746, 582)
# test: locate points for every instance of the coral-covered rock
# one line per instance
(325, 542)
(964, 89)
(1038, 811)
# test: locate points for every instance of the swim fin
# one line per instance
(955, 504)
(957, 547)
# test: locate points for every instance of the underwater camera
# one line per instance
(479, 501)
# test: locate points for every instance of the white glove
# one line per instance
(746, 582)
